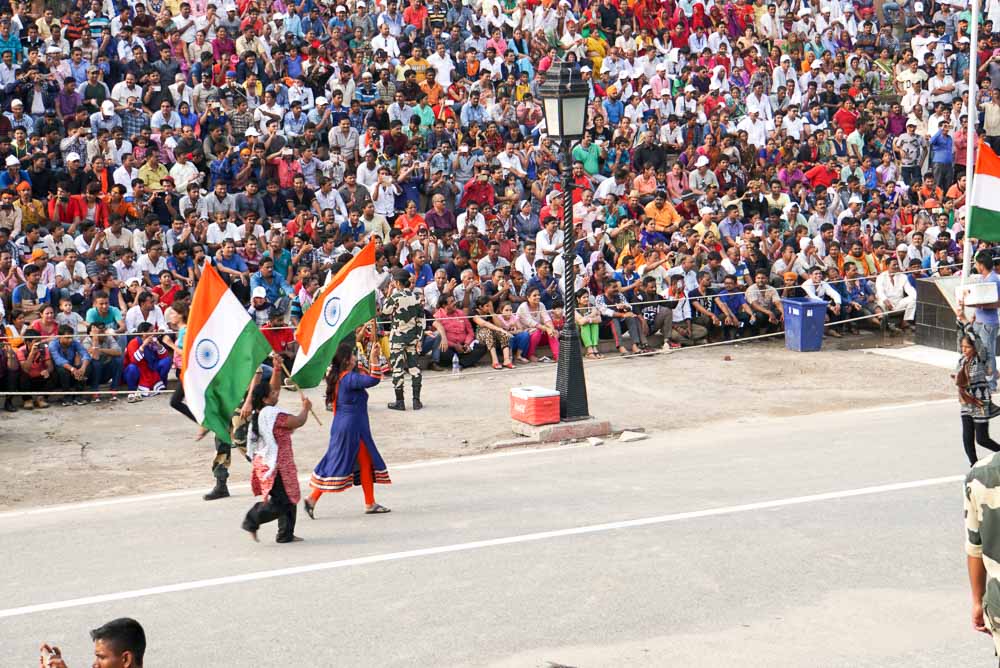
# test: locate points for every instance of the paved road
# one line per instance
(534, 557)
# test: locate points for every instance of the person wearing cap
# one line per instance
(406, 332)
(13, 174)
(702, 177)
(105, 119)
(911, 150)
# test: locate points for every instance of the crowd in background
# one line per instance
(736, 154)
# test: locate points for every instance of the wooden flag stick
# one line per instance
(299, 389)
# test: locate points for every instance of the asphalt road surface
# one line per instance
(829, 540)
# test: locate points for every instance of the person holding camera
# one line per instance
(121, 643)
(37, 369)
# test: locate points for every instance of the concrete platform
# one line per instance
(562, 431)
(942, 359)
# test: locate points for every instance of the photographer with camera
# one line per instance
(121, 643)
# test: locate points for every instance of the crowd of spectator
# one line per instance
(736, 154)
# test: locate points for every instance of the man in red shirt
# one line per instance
(280, 336)
(479, 191)
(824, 175)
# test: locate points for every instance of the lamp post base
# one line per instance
(570, 381)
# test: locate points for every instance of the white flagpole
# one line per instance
(970, 148)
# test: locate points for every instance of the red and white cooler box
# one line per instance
(534, 405)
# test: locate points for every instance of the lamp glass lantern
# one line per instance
(564, 97)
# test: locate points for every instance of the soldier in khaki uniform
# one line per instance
(982, 544)
(407, 314)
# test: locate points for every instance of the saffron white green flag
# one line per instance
(345, 303)
(984, 210)
(222, 349)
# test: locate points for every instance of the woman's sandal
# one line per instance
(377, 509)
(591, 356)
(496, 365)
(508, 365)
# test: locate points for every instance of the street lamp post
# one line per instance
(564, 97)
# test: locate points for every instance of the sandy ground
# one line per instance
(69, 454)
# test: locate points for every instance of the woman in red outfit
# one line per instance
(269, 445)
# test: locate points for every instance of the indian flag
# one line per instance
(984, 214)
(344, 304)
(222, 349)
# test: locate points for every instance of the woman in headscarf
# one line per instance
(269, 446)
(351, 458)
(700, 18)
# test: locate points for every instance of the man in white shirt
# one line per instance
(71, 274)
(759, 100)
(443, 65)
(386, 42)
(384, 193)
(367, 174)
(151, 263)
(941, 86)
(511, 162)
(123, 90)
(793, 123)
(219, 231)
(124, 175)
(525, 262)
(755, 127)
(145, 310)
(817, 288)
(126, 267)
(269, 110)
(549, 240)
(893, 292)
(471, 216)
(184, 172)
(585, 211)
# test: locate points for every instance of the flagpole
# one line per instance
(970, 145)
(302, 395)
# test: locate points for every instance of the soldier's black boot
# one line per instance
(220, 491)
(417, 404)
(398, 404)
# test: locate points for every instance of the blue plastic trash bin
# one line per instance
(804, 320)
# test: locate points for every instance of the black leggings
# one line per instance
(277, 507)
(177, 403)
(976, 432)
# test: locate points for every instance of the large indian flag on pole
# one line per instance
(344, 304)
(222, 349)
(984, 212)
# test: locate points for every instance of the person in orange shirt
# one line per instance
(431, 88)
(416, 15)
(645, 183)
(117, 206)
(662, 214)
(409, 222)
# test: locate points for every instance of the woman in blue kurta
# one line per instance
(351, 458)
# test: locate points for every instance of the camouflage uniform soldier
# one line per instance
(982, 544)
(223, 456)
(407, 314)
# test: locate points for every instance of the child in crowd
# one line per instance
(588, 319)
(67, 316)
